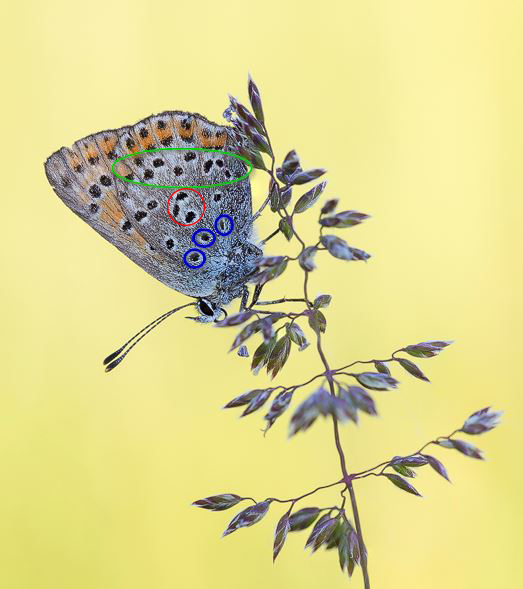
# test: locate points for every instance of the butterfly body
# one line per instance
(199, 243)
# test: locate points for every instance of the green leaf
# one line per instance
(377, 381)
(445, 443)
(279, 405)
(321, 532)
(248, 517)
(337, 247)
(329, 206)
(303, 518)
(274, 195)
(336, 534)
(414, 460)
(236, 319)
(358, 254)
(257, 402)
(437, 466)
(218, 502)
(340, 249)
(257, 139)
(286, 229)
(401, 483)
(249, 121)
(254, 157)
(307, 412)
(279, 355)
(302, 177)
(306, 258)
(269, 273)
(382, 367)
(360, 398)
(404, 470)
(343, 408)
(245, 334)
(461, 446)
(350, 567)
(343, 551)
(255, 99)
(350, 407)
(411, 368)
(344, 219)
(322, 301)
(280, 535)
(255, 326)
(309, 198)
(271, 261)
(426, 349)
(261, 354)
(321, 403)
(285, 195)
(243, 399)
(291, 163)
(481, 421)
(317, 321)
(295, 332)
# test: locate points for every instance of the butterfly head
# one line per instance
(208, 311)
(230, 284)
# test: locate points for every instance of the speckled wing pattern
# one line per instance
(134, 218)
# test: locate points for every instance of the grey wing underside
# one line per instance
(82, 177)
(105, 215)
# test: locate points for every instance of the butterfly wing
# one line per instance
(185, 167)
(73, 179)
(134, 218)
(147, 207)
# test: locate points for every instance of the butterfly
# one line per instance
(197, 242)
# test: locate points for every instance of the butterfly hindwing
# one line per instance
(135, 218)
(181, 166)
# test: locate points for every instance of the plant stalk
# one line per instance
(347, 479)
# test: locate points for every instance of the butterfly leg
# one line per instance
(245, 298)
(260, 210)
(256, 295)
(283, 300)
(264, 241)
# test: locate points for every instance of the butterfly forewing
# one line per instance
(73, 182)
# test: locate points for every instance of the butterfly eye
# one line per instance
(205, 308)
(224, 225)
(203, 237)
(194, 258)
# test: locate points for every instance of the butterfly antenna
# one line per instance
(115, 358)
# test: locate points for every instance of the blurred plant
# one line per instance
(344, 391)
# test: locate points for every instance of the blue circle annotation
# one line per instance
(203, 230)
(188, 263)
(231, 225)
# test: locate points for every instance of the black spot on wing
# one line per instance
(95, 191)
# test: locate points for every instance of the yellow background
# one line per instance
(415, 109)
